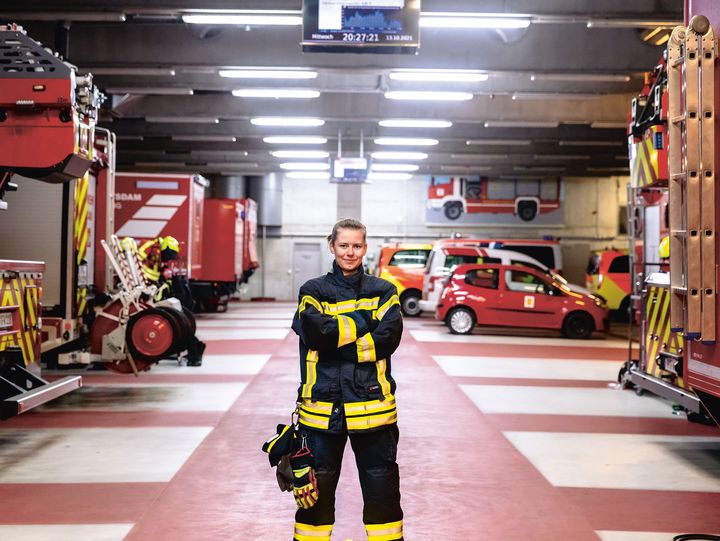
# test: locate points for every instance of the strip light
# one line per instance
(581, 77)
(405, 141)
(287, 122)
(278, 73)
(399, 155)
(521, 124)
(295, 140)
(309, 166)
(413, 123)
(446, 76)
(301, 154)
(427, 95)
(245, 19)
(503, 142)
(440, 19)
(276, 93)
(395, 167)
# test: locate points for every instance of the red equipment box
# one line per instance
(223, 242)
(250, 257)
(149, 205)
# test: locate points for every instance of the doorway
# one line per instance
(307, 263)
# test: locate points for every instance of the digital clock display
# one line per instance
(361, 25)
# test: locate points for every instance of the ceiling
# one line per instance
(564, 83)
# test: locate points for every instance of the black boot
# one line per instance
(196, 348)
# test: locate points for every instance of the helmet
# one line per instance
(664, 248)
(169, 243)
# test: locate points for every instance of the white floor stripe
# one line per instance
(214, 364)
(519, 340)
(245, 323)
(150, 397)
(566, 401)
(242, 334)
(635, 536)
(96, 455)
(623, 461)
(65, 532)
(528, 367)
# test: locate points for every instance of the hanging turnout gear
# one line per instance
(305, 488)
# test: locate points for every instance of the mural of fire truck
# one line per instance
(525, 199)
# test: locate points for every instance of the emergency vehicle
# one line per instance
(403, 265)
(517, 296)
(524, 199)
(608, 277)
(679, 356)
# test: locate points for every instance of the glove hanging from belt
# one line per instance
(305, 487)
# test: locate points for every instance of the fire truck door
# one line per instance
(526, 301)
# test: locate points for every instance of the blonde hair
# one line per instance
(347, 223)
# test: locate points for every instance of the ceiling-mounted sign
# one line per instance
(361, 26)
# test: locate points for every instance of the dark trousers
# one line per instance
(375, 455)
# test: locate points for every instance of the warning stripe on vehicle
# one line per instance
(23, 293)
(80, 234)
(658, 336)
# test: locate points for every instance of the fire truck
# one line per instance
(47, 131)
(524, 199)
(673, 195)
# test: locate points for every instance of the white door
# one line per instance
(307, 263)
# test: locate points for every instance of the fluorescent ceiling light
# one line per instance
(581, 77)
(413, 123)
(238, 165)
(287, 121)
(405, 141)
(309, 175)
(479, 156)
(427, 95)
(503, 142)
(245, 19)
(398, 167)
(608, 125)
(144, 72)
(389, 176)
(471, 20)
(631, 23)
(445, 76)
(278, 73)
(591, 143)
(277, 93)
(295, 140)
(151, 91)
(560, 157)
(521, 124)
(399, 155)
(205, 138)
(182, 119)
(301, 154)
(554, 95)
(309, 166)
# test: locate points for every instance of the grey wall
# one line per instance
(395, 210)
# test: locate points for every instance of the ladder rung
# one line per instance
(678, 62)
(678, 290)
(679, 176)
(678, 119)
(679, 233)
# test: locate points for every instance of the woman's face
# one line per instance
(349, 249)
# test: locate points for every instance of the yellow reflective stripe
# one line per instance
(307, 299)
(384, 532)
(301, 471)
(347, 331)
(308, 532)
(385, 307)
(314, 422)
(277, 438)
(381, 367)
(366, 349)
(344, 307)
(371, 421)
(310, 373)
(373, 406)
(323, 408)
(367, 304)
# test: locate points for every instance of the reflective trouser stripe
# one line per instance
(390, 531)
(308, 532)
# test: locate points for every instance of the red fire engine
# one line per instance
(524, 199)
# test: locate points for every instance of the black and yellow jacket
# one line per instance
(348, 328)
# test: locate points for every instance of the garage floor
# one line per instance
(503, 438)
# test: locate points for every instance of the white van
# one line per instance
(445, 257)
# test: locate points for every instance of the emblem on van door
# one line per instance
(529, 302)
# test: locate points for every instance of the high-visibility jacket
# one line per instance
(347, 336)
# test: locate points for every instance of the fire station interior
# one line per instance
(537, 184)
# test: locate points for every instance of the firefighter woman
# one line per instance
(349, 324)
(156, 256)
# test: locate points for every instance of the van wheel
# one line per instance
(453, 210)
(410, 303)
(623, 312)
(578, 325)
(527, 210)
(461, 321)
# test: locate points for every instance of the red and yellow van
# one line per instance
(403, 265)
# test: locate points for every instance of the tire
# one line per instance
(191, 319)
(460, 320)
(184, 329)
(622, 315)
(527, 210)
(410, 303)
(152, 335)
(578, 325)
(453, 210)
